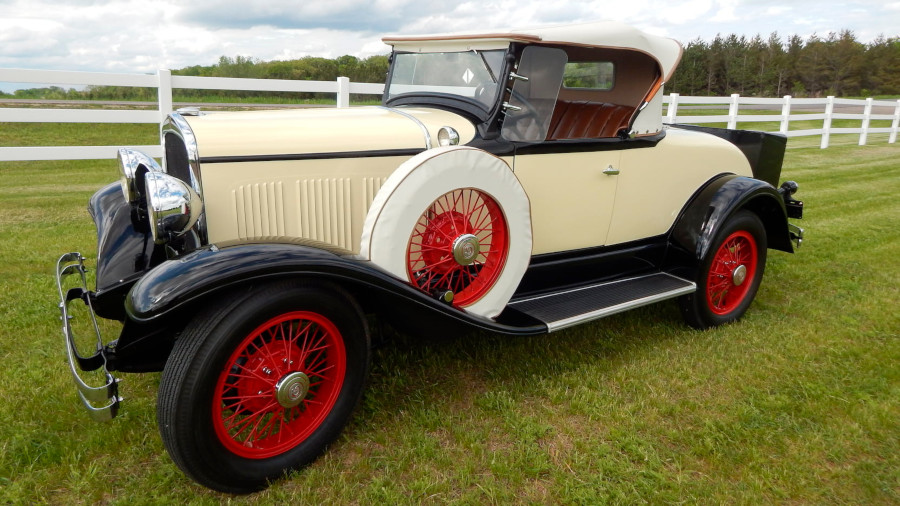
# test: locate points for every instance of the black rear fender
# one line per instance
(692, 235)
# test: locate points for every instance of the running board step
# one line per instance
(571, 307)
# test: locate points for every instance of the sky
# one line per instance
(142, 36)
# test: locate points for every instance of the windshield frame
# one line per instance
(482, 110)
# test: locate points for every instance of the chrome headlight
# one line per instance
(448, 136)
(131, 164)
(173, 206)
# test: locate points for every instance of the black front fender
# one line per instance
(179, 283)
(124, 252)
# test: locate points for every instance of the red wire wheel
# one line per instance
(279, 385)
(732, 272)
(459, 244)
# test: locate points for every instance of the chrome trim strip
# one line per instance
(312, 156)
(428, 144)
(176, 124)
(67, 265)
(601, 313)
(618, 308)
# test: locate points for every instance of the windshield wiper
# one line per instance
(486, 65)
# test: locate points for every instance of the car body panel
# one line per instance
(573, 215)
(655, 184)
(247, 134)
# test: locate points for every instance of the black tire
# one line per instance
(723, 292)
(288, 341)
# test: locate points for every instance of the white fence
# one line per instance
(792, 109)
(165, 82)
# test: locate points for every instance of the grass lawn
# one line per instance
(796, 403)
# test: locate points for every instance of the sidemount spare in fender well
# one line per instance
(177, 286)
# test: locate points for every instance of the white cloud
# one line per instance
(726, 11)
(141, 36)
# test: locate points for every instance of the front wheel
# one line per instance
(262, 384)
(729, 274)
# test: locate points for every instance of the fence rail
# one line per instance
(165, 83)
(789, 112)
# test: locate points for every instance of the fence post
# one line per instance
(343, 93)
(672, 111)
(733, 111)
(895, 125)
(867, 118)
(826, 125)
(785, 115)
(164, 93)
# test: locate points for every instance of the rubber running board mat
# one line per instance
(571, 307)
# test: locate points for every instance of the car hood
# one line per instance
(322, 130)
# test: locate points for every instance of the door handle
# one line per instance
(610, 171)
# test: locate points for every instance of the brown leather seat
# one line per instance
(587, 120)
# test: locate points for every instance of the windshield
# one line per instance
(469, 74)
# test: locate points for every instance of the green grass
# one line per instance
(78, 134)
(797, 403)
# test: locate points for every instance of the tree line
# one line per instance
(837, 64)
(366, 70)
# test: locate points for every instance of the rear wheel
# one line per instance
(729, 274)
(262, 384)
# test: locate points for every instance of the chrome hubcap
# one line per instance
(739, 275)
(292, 389)
(465, 249)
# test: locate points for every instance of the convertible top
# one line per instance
(609, 34)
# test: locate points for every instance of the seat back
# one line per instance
(587, 120)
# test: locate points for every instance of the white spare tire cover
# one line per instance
(442, 178)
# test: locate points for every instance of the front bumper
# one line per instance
(106, 395)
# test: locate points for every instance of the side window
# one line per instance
(531, 101)
(590, 75)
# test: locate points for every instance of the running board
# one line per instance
(571, 307)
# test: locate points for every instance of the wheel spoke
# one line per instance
(431, 263)
(738, 250)
(249, 419)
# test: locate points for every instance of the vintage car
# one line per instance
(518, 182)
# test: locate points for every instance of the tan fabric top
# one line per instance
(599, 34)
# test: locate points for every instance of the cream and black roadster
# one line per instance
(518, 182)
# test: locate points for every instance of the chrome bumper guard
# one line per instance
(107, 394)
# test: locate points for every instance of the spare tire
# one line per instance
(453, 219)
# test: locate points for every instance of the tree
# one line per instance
(842, 63)
(690, 77)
